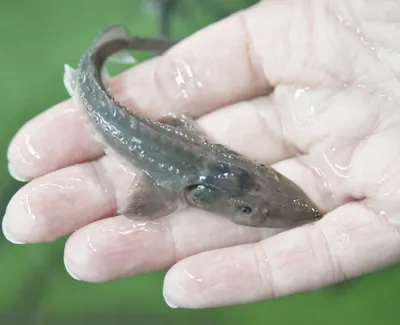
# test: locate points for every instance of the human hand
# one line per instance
(308, 86)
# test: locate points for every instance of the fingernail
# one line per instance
(169, 303)
(15, 176)
(6, 233)
(70, 273)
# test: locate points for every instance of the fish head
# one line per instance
(255, 196)
(278, 212)
(274, 202)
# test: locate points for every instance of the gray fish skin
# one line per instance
(179, 165)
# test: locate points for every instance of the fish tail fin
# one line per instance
(116, 32)
(119, 32)
(112, 33)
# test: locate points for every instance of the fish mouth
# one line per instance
(309, 221)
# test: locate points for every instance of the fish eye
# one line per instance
(245, 209)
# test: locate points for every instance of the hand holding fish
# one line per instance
(309, 91)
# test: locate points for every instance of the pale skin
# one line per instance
(310, 87)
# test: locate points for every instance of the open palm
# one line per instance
(310, 87)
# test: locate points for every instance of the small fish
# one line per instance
(178, 164)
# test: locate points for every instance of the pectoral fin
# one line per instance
(147, 201)
(69, 79)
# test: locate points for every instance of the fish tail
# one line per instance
(112, 33)
(128, 41)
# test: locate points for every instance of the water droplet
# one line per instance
(185, 79)
(338, 162)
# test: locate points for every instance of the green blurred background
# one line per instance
(37, 38)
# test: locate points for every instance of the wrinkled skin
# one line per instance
(307, 86)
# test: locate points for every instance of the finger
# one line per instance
(118, 247)
(348, 242)
(54, 139)
(58, 203)
(212, 68)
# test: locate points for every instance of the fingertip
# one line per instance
(7, 234)
(15, 175)
(70, 272)
(172, 292)
(182, 289)
(168, 301)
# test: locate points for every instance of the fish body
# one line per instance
(178, 164)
